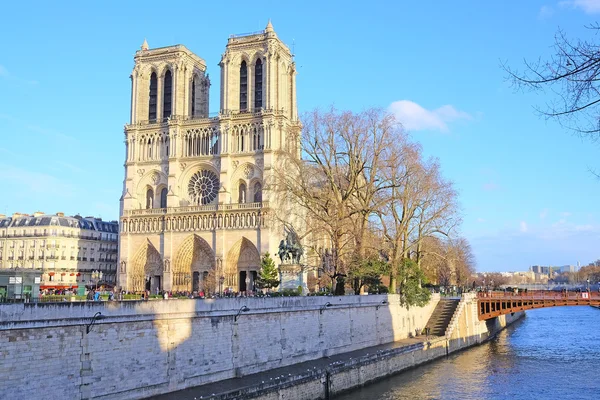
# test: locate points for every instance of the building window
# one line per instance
(257, 192)
(193, 96)
(163, 198)
(167, 95)
(258, 83)
(152, 100)
(149, 198)
(242, 193)
(243, 87)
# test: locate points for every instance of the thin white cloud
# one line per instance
(415, 117)
(523, 226)
(480, 220)
(3, 71)
(588, 6)
(544, 213)
(35, 183)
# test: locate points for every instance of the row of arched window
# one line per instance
(207, 222)
(150, 198)
(256, 193)
(247, 139)
(258, 84)
(167, 96)
(153, 148)
(201, 143)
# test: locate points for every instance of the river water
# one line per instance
(552, 353)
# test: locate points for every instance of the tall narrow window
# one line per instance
(258, 84)
(257, 192)
(243, 87)
(163, 198)
(242, 193)
(149, 198)
(167, 94)
(152, 100)
(193, 97)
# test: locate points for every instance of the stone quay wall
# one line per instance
(465, 330)
(145, 348)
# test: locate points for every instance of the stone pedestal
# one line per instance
(292, 276)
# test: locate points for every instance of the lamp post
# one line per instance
(588, 285)
(221, 280)
(97, 276)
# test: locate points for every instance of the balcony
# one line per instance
(196, 209)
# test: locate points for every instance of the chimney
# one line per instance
(38, 214)
(60, 214)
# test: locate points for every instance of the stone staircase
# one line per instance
(440, 319)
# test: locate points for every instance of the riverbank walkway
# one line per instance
(283, 374)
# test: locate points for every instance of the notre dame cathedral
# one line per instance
(195, 212)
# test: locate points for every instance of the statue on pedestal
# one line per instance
(290, 250)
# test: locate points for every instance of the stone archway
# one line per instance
(194, 267)
(146, 269)
(243, 264)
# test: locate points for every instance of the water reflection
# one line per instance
(552, 353)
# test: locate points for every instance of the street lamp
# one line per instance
(324, 306)
(588, 284)
(243, 309)
(97, 276)
(221, 280)
(95, 318)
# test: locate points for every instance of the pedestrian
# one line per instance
(96, 296)
(166, 295)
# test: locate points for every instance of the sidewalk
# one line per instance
(235, 384)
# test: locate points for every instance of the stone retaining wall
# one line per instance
(146, 348)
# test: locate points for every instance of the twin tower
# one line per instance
(195, 213)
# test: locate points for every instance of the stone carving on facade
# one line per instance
(260, 163)
(167, 265)
(155, 177)
(182, 166)
(217, 163)
(141, 172)
(166, 169)
(235, 164)
(123, 267)
(248, 171)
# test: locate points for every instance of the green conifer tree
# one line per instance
(267, 277)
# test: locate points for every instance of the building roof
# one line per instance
(87, 223)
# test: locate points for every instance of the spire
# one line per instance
(145, 45)
(269, 27)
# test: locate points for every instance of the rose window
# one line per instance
(203, 187)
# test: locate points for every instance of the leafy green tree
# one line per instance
(267, 277)
(412, 279)
(368, 273)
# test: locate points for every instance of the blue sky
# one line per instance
(525, 186)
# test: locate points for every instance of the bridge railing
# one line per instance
(539, 295)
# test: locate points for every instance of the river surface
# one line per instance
(552, 353)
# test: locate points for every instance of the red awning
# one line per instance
(51, 273)
(58, 287)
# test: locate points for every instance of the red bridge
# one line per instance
(493, 304)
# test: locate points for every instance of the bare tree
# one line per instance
(572, 75)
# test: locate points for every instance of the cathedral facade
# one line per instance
(195, 213)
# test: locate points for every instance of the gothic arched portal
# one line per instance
(146, 269)
(243, 264)
(195, 259)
